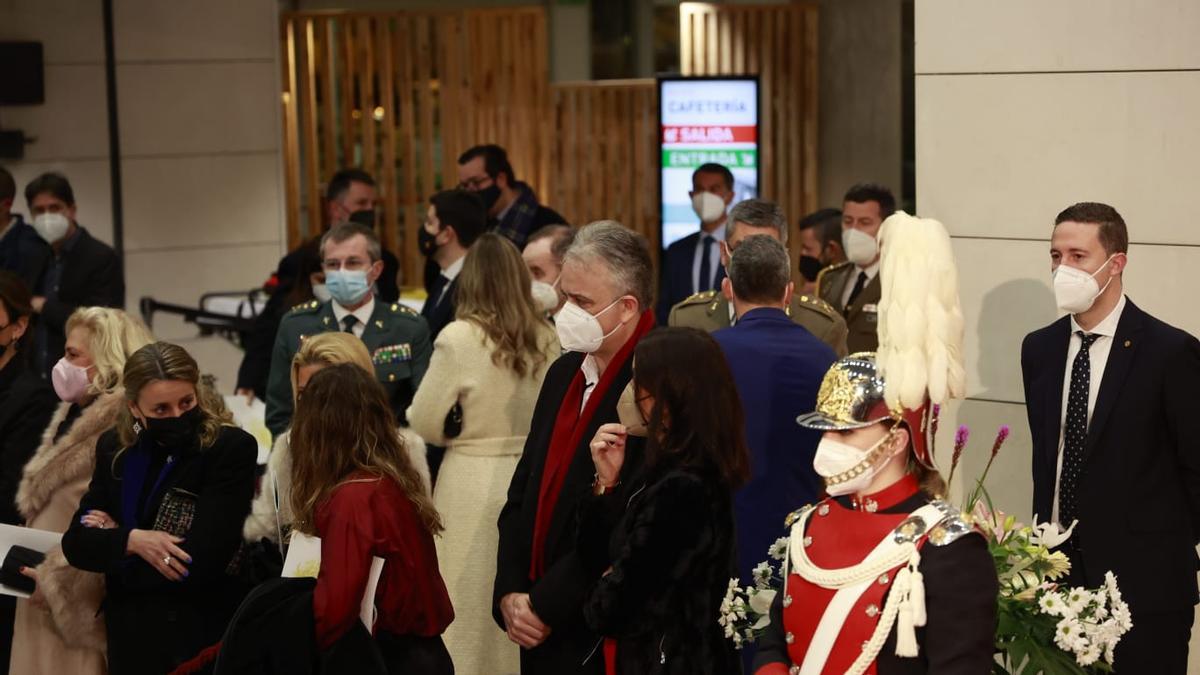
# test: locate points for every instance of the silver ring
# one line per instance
(167, 560)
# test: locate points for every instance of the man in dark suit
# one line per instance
(81, 272)
(540, 581)
(778, 366)
(22, 251)
(693, 264)
(1110, 393)
(853, 287)
(454, 221)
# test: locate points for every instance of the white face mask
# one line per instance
(321, 293)
(847, 469)
(630, 413)
(544, 296)
(579, 331)
(1076, 291)
(708, 206)
(51, 226)
(861, 248)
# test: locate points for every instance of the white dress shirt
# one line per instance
(871, 272)
(714, 257)
(450, 273)
(591, 375)
(363, 314)
(1098, 359)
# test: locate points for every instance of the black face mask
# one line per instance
(426, 243)
(490, 195)
(810, 267)
(366, 218)
(175, 433)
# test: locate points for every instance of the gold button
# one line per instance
(790, 638)
(872, 611)
(391, 377)
(823, 510)
(787, 601)
(883, 580)
(807, 542)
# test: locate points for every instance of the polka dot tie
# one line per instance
(1075, 431)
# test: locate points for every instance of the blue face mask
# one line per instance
(347, 286)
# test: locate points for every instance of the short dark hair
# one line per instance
(462, 210)
(344, 231)
(53, 182)
(8, 187)
(759, 270)
(873, 192)
(697, 419)
(827, 223)
(561, 236)
(495, 160)
(340, 183)
(712, 167)
(1114, 236)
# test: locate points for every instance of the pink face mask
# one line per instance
(70, 381)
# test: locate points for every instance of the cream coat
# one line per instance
(473, 479)
(69, 637)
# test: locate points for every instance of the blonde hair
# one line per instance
(495, 293)
(112, 337)
(160, 361)
(329, 349)
(343, 426)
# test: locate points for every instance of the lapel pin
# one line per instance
(1128, 343)
(326, 321)
(379, 324)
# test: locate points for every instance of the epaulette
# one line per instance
(827, 270)
(795, 516)
(402, 309)
(951, 528)
(306, 307)
(816, 304)
(698, 298)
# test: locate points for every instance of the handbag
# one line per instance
(10, 570)
(175, 516)
(454, 420)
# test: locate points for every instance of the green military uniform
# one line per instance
(709, 311)
(396, 337)
(862, 316)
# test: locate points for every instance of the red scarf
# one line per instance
(569, 428)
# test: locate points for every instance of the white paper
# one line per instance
(38, 540)
(252, 418)
(304, 560)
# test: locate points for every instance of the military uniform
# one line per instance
(709, 311)
(862, 316)
(396, 337)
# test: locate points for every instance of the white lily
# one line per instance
(1049, 534)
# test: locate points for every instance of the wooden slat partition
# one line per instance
(779, 44)
(400, 95)
(605, 137)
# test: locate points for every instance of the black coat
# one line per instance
(23, 252)
(1139, 493)
(27, 403)
(91, 277)
(439, 314)
(153, 623)
(675, 284)
(558, 596)
(671, 556)
(960, 604)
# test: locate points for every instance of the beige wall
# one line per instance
(1023, 108)
(197, 95)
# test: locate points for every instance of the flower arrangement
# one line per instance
(1042, 626)
(746, 612)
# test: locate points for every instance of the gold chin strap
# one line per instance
(883, 448)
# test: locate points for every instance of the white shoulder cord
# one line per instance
(906, 600)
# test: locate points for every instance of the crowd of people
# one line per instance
(558, 472)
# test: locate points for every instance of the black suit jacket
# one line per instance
(1139, 493)
(91, 277)
(676, 282)
(23, 252)
(438, 314)
(558, 596)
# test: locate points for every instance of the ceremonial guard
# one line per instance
(883, 576)
(710, 311)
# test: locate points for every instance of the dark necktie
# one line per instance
(435, 293)
(858, 288)
(348, 323)
(706, 277)
(1075, 431)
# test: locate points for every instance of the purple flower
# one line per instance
(960, 442)
(1001, 436)
(933, 423)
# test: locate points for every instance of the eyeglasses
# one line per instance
(474, 184)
